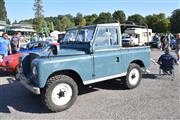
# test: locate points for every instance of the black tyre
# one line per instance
(133, 77)
(60, 93)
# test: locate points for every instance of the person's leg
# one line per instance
(173, 74)
(160, 71)
(1, 57)
(163, 46)
(177, 54)
(14, 52)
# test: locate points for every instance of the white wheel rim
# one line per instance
(61, 94)
(134, 76)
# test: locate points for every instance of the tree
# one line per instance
(104, 17)
(8, 21)
(39, 18)
(38, 22)
(69, 16)
(65, 23)
(30, 21)
(82, 22)
(3, 12)
(38, 8)
(60, 17)
(15, 22)
(50, 26)
(163, 26)
(45, 28)
(136, 18)
(77, 19)
(175, 21)
(120, 16)
(90, 19)
(57, 25)
(158, 23)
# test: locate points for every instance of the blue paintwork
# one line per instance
(89, 61)
(82, 63)
(173, 43)
(32, 50)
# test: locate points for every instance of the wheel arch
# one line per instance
(138, 62)
(71, 73)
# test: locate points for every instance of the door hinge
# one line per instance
(117, 59)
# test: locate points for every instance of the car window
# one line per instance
(70, 35)
(114, 36)
(106, 36)
(85, 35)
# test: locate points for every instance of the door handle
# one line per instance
(117, 59)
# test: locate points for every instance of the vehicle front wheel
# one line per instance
(133, 77)
(60, 93)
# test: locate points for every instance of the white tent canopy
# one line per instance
(55, 34)
(23, 30)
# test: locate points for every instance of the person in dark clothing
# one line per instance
(163, 44)
(167, 62)
(15, 43)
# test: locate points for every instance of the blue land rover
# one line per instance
(87, 55)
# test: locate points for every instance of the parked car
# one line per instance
(155, 43)
(173, 43)
(87, 55)
(129, 40)
(10, 63)
(34, 45)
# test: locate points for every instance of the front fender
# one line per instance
(81, 65)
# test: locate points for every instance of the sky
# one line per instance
(22, 9)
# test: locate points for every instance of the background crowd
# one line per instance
(11, 45)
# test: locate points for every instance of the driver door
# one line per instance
(106, 56)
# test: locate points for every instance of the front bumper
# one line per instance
(27, 83)
(7, 68)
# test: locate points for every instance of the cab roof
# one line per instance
(106, 24)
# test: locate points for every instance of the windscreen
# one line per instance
(80, 35)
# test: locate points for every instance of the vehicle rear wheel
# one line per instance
(133, 77)
(60, 93)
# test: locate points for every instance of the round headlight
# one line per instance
(34, 71)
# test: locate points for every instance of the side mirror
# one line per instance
(54, 49)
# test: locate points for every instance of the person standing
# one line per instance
(178, 46)
(4, 45)
(163, 42)
(15, 43)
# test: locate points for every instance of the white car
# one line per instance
(128, 41)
